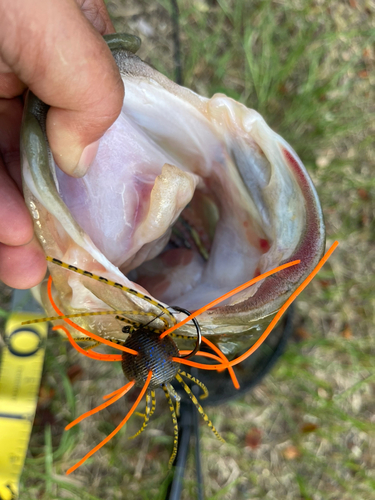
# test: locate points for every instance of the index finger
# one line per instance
(54, 49)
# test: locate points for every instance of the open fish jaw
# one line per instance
(171, 148)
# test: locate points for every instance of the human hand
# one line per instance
(56, 50)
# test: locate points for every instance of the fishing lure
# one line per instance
(151, 359)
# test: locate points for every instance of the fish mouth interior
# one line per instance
(183, 199)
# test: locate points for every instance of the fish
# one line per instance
(187, 198)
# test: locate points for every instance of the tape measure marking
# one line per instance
(20, 374)
(21, 350)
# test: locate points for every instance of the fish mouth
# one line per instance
(188, 197)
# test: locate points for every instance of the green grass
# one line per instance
(302, 65)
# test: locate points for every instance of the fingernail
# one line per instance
(87, 157)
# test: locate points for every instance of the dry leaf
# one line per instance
(155, 452)
(302, 333)
(363, 193)
(74, 372)
(324, 283)
(291, 453)
(309, 427)
(116, 418)
(253, 438)
(347, 333)
(45, 395)
(44, 416)
(363, 73)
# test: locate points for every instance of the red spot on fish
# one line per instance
(264, 245)
(256, 272)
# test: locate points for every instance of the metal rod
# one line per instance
(198, 461)
(184, 425)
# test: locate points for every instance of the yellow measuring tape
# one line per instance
(20, 374)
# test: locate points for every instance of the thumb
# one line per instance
(52, 48)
